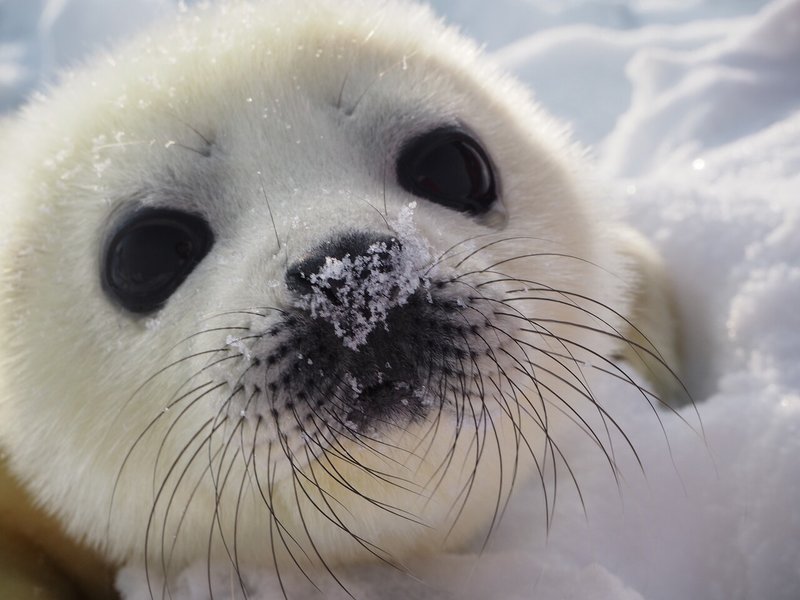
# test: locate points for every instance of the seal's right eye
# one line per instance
(151, 254)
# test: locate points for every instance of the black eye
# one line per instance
(448, 167)
(151, 254)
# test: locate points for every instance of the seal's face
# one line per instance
(299, 287)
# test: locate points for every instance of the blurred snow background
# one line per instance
(691, 109)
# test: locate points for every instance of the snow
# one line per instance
(356, 293)
(692, 111)
(39, 36)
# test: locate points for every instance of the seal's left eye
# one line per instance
(448, 167)
(151, 254)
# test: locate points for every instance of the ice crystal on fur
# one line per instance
(238, 344)
(356, 293)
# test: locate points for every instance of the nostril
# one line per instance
(297, 278)
(352, 244)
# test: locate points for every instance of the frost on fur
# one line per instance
(356, 293)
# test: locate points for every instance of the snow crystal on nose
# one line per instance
(356, 293)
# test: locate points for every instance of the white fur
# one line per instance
(80, 379)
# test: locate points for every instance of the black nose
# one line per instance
(352, 244)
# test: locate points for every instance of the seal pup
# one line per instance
(294, 286)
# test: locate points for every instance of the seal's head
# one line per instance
(294, 283)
